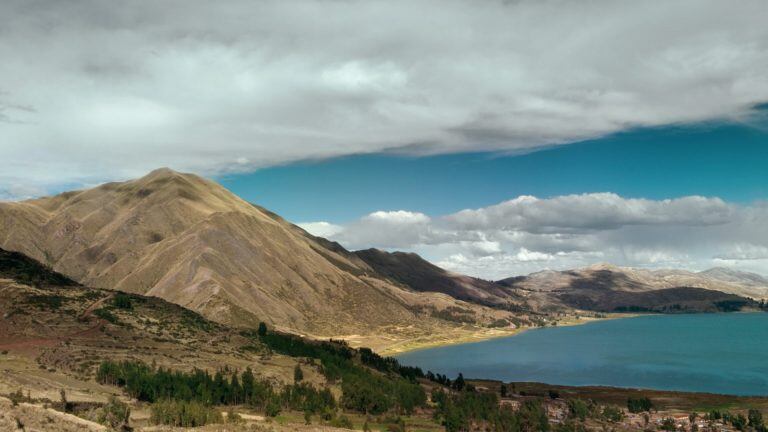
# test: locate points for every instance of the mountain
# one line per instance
(411, 270)
(735, 277)
(606, 287)
(191, 242)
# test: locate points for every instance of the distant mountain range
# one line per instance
(190, 241)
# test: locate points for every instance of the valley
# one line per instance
(173, 276)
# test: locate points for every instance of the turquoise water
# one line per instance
(716, 353)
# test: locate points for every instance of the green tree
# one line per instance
(298, 374)
(639, 405)
(459, 383)
(262, 329)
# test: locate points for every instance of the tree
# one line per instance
(298, 374)
(262, 329)
(503, 390)
(639, 405)
(64, 403)
(459, 383)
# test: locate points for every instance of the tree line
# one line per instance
(150, 384)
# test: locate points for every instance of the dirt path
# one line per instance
(51, 341)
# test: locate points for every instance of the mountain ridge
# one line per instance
(190, 241)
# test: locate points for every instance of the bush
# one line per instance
(342, 422)
(51, 302)
(233, 417)
(613, 414)
(16, 397)
(114, 414)
(577, 408)
(668, 424)
(272, 409)
(122, 301)
(298, 374)
(183, 414)
(106, 314)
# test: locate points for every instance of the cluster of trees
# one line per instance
(375, 394)
(370, 383)
(393, 388)
(580, 409)
(465, 410)
(225, 387)
(638, 405)
(752, 421)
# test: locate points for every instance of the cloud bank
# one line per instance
(529, 234)
(93, 91)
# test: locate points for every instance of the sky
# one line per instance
(493, 137)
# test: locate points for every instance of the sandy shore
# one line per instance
(471, 334)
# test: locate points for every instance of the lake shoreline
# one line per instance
(653, 351)
(485, 334)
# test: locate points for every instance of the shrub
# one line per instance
(122, 301)
(342, 422)
(183, 414)
(16, 397)
(272, 409)
(105, 314)
(613, 414)
(51, 302)
(233, 417)
(668, 424)
(114, 414)
(298, 374)
(577, 408)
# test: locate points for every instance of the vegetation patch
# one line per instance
(27, 271)
(50, 302)
(106, 314)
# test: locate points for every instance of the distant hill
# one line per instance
(605, 287)
(419, 274)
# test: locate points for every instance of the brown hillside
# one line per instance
(190, 241)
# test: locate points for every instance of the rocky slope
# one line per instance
(190, 241)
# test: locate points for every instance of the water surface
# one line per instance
(718, 353)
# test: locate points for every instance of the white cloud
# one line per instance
(528, 234)
(592, 211)
(321, 229)
(97, 91)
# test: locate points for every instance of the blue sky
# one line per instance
(723, 160)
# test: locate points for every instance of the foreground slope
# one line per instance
(190, 241)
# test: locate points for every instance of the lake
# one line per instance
(717, 353)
